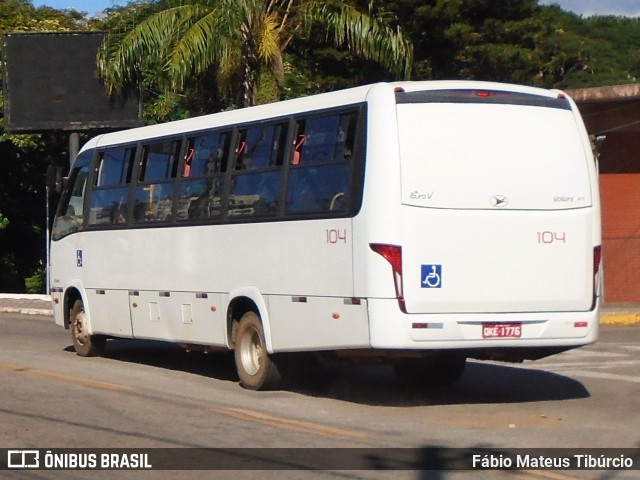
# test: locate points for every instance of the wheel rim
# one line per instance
(251, 352)
(79, 331)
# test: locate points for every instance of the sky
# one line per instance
(629, 8)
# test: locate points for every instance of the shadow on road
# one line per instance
(481, 383)
(171, 357)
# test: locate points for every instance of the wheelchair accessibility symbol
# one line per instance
(431, 276)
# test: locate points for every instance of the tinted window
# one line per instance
(153, 201)
(319, 176)
(255, 194)
(200, 198)
(255, 183)
(318, 189)
(109, 200)
(109, 206)
(159, 161)
(302, 165)
(207, 155)
(201, 188)
(114, 167)
(261, 147)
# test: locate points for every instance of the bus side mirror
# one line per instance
(54, 179)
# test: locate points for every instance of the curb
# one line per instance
(25, 296)
(26, 304)
(28, 311)
(626, 318)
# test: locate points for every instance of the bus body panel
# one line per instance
(109, 311)
(301, 323)
(166, 302)
(378, 220)
(222, 258)
(185, 317)
(486, 261)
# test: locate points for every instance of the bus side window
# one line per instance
(153, 199)
(255, 187)
(109, 198)
(200, 194)
(318, 189)
(207, 155)
(320, 137)
(114, 167)
(319, 177)
(159, 161)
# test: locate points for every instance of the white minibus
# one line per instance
(416, 223)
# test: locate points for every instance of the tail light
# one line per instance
(597, 260)
(393, 255)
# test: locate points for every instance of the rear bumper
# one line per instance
(392, 329)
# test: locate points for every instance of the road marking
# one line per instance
(61, 377)
(288, 423)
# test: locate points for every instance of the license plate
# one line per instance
(501, 330)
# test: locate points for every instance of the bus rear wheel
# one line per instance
(86, 345)
(256, 369)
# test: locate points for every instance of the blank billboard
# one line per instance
(51, 83)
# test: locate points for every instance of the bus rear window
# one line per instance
(484, 156)
(486, 96)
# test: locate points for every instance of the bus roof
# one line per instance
(280, 109)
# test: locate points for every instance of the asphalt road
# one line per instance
(153, 395)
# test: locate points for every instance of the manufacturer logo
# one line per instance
(431, 276)
(499, 201)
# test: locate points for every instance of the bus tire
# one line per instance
(85, 345)
(257, 371)
(439, 371)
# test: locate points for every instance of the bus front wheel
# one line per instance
(86, 345)
(256, 369)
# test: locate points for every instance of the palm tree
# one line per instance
(242, 39)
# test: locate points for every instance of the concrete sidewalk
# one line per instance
(26, 304)
(611, 314)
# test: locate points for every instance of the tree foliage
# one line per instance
(520, 42)
(251, 38)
